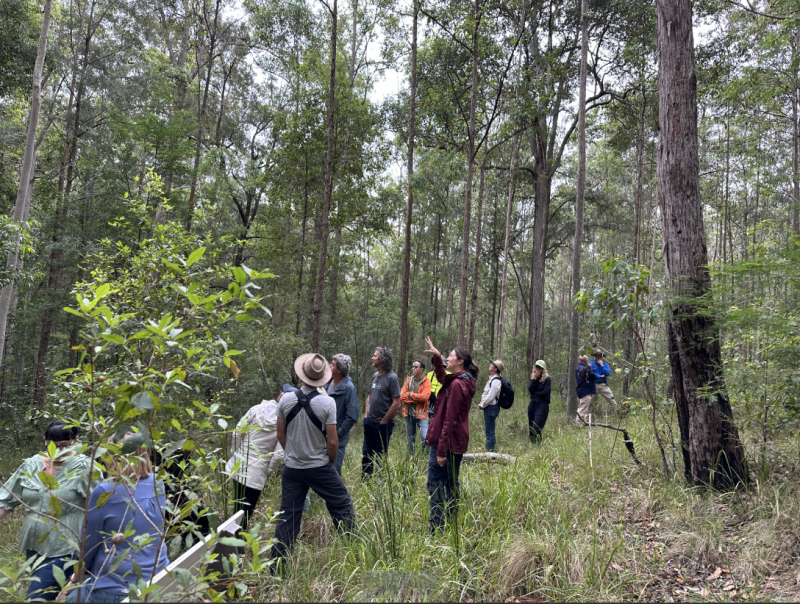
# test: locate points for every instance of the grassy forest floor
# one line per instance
(549, 527)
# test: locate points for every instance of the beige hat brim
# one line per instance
(298, 369)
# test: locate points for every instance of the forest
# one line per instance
(196, 192)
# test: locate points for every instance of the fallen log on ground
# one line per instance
(625, 438)
(502, 457)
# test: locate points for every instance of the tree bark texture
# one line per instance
(577, 246)
(501, 322)
(715, 453)
(412, 124)
(540, 215)
(326, 197)
(23, 202)
(473, 103)
(476, 273)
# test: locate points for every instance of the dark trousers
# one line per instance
(376, 444)
(326, 483)
(443, 488)
(490, 415)
(537, 418)
(44, 586)
(245, 499)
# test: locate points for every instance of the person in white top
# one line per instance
(257, 453)
(491, 409)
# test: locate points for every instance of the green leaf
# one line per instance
(48, 481)
(101, 501)
(113, 338)
(142, 401)
(195, 256)
(58, 575)
(232, 542)
(133, 442)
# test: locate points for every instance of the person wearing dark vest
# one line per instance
(307, 433)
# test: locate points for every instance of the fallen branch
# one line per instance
(625, 437)
(488, 457)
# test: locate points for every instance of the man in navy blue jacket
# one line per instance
(601, 369)
(584, 378)
(342, 389)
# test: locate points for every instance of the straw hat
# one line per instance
(498, 364)
(313, 369)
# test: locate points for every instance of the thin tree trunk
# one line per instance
(715, 455)
(326, 197)
(637, 236)
(412, 124)
(473, 102)
(23, 202)
(201, 117)
(796, 153)
(501, 323)
(577, 246)
(476, 272)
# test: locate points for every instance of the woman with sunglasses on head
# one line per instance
(49, 538)
(448, 434)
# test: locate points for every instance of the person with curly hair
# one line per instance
(382, 405)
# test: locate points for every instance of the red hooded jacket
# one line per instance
(450, 428)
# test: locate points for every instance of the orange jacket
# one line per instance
(419, 398)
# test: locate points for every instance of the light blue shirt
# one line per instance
(146, 509)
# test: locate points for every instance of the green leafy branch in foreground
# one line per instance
(154, 319)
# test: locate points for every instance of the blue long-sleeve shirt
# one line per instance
(585, 379)
(602, 373)
(346, 407)
(144, 546)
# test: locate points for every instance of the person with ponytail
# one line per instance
(448, 435)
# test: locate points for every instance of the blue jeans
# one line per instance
(443, 488)
(95, 595)
(411, 431)
(44, 586)
(490, 415)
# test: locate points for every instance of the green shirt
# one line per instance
(46, 536)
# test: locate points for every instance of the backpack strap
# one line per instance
(304, 403)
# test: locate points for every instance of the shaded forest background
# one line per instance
(212, 115)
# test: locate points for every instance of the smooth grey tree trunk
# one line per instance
(577, 246)
(23, 202)
(501, 323)
(412, 124)
(326, 197)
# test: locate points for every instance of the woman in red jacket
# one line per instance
(448, 435)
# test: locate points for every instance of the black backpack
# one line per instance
(304, 403)
(506, 398)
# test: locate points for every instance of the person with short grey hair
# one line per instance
(342, 390)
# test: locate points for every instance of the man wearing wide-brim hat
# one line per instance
(307, 432)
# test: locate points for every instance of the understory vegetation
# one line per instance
(549, 527)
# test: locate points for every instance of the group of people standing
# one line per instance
(307, 428)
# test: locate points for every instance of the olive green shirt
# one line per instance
(44, 535)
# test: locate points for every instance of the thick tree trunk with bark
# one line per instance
(23, 202)
(412, 124)
(540, 215)
(327, 193)
(715, 452)
(577, 246)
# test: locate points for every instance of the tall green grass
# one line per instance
(548, 526)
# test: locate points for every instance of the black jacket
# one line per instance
(540, 391)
